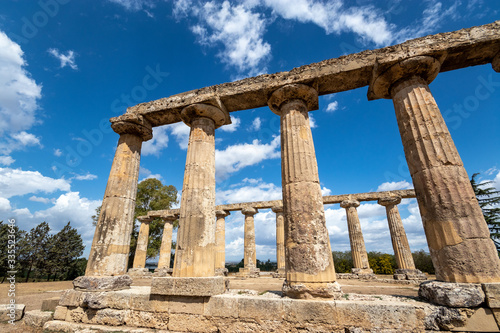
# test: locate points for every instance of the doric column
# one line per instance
(220, 242)
(111, 244)
(309, 263)
(163, 268)
(358, 249)
(250, 255)
(495, 63)
(404, 259)
(195, 252)
(457, 234)
(280, 241)
(142, 244)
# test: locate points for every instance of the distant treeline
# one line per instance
(38, 255)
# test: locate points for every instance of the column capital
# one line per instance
(349, 203)
(495, 63)
(130, 123)
(222, 213)
(277, 209)
(389, 201)
(145, 219)
(219, 115)
(383, 80)
(293, 91)
(249, 211)
(169, 217)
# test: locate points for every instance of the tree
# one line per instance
(33, 249)
(489, 201)
(342, 261)
(9, 244)
(423, 261)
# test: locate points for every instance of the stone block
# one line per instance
(37, 318)
(188, 286)
(312, 311)
(11, 312)
(60, 313)
(50, 304)
(482, 320)
(110, 317)
(492, 293)
(222, 306)
(456, 295)
(190, 323)
(159, 303)
(163, 272)
(261, 308)
(75, 314)
(71, 298)
(63, 326)
(147, 319)
(186, 304)
(102, 283)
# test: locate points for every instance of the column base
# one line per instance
(409, 274)
(363, 273)
(163, 272)
(139, 273)
(279, 274)
(102, 283)
(221, 272)
(455, 295)
(309, 290)
(251, 272)
(188, 286)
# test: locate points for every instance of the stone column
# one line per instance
(163, 268)
(280, 241)
(309, 263)
(358, 249)
(220, 243)
(250, 256)
(457, 234)
(194, 264)
(139, 265)
(111, 244)
(404, 259)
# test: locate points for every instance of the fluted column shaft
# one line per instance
(457, 234)
(220, 239)
(166, 242)
(358, 249)
(310, 270)
(142, 246)
(111, 244)
(280, 239)
(250, 254)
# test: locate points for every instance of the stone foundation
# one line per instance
(163, 272)
(188, 286)
(140, 273)
(409, 274)
(102, 283)
(248, 272)
(138, 310)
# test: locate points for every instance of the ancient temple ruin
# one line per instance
(194, 299)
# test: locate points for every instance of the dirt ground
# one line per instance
(32, 294)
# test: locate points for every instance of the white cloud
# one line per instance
(256, 123)
(67, 59)
(148, 174)
(134, 5)
(312, 121)
(57, 152)
(18, 141)
(19, 93)
(5, 205)
(181, 132)
(239, 156)
(157, 143)
(332, 107)
(392, 186)
(87, 176)
(235, 123)
(39, 199)
(325, 191)
(250, 190)
(6, 160)
(14, 182)
(26, 139)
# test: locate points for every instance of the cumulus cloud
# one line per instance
(181, 133)
(157, 143)
(392, 186)
(39, 199)
(15, 182)
(135, 5)
(87, 176)
(67, 59)
(235, 123)
(248, 191)
(332, 107)
(256, 123)
(6, 160)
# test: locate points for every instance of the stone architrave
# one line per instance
(220, 243)
(310, 270)
(111, 244)
(250, 255)
(163, 268)
(404, 259)
(358, 249)
(280, 241)
(195, 252)
(456, 232)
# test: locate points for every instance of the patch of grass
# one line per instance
(346, 296)
(262, 293)
(240, 292)
(380, 298)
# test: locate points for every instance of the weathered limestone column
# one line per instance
(194, 264)
(358, 249)
(163, 268)
(111, 243)
(250, 255)
(280, 241)
(220, 243)
(309, 263)
(139, 265)
(404, 259)
(457, 234)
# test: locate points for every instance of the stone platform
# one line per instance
(137, 310)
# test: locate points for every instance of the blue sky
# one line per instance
(69, 65)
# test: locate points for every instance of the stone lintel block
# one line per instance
(60, 313)
(261, 308)
(11, 311)
(188, 286)
(456, 295)
(102, 283)
(37, 318)
(492, 293)
(50, 304)
(222, 306)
